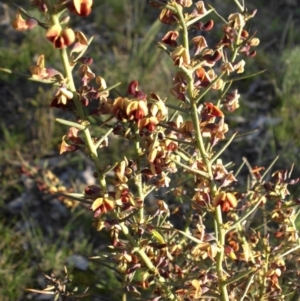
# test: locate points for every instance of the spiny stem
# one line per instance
(70, 123)
(68, 72)
(184, 31)
(220, 255)
(239, 5)
(148, 263)
(202, 152)
(138, 177)
(79, 108)
(198, 172)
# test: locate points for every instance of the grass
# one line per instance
(16, 270)
(35, 236)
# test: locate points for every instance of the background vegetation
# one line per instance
(38, 232)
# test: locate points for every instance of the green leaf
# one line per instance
(158, 237)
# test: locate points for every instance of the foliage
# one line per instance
(201, 236)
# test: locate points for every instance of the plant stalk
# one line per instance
(202, 152)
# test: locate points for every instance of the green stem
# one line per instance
(289, 251)
(124, 295)
(217, 14)
(244, 217)
(68, 72)
(202, 152)
(184, 31)
(247, 287)
(237, 43)
(79, 108)
(192, 238)
(238, 78)
(194, 20)
(138, 177)
(183, 156)
(218, 154)
(239, 5)
(177, 108)
(180, 141)
(166, 126)
(70, 123)
(76, 197)
(24, 12)
(200, 144)
(170, 7)
(103, 173)
(198, 172)
(225, 90)
(240, 276)
(220, 256)
(99, 142)
(263, 283)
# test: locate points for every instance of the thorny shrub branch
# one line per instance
(217, 256)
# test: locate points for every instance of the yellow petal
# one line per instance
(53, 32)
(231, 199)
(97, 203)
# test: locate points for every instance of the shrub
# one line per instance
(180, 225)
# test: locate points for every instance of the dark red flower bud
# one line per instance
(212, 58)
(170, 38)
(86, 60)
(133, 90)
(208, 25)
(252, 53)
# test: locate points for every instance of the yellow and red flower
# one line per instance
(226, 200)
(60, 38)
(103, 205)
(20, 24)
(80, 7)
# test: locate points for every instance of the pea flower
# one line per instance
(136, 110)
(180, 56)
(102, 205)
(81, 8)
(170, 38)
(20, 24)
(39, 71)
(61, 97)
(59, 37)
(226, 200)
